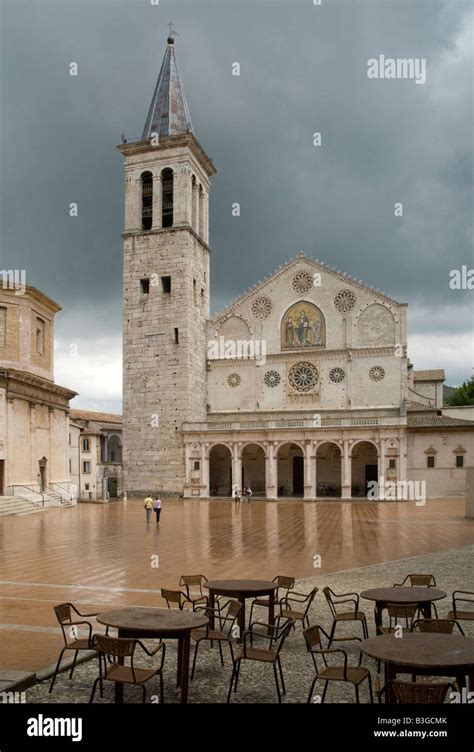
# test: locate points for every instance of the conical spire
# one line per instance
(169, 112)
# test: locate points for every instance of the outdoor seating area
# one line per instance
(397, 649)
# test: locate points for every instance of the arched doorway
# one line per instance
(114, 449)
(253, 468)
(290, 470)
(328, 469)
(220, 470)
(364, 467)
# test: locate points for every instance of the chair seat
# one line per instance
(123, 674)
(469, 615)
(336, 673)
(261, 602)
(81, 644)
(257, 654)
(350, 616)
(212, 634)
(197, 598)
(288, 614)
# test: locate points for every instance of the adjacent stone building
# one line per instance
(33, 409)
(95, 454)
(300, 387)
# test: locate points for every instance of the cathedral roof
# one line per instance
(317, 265)
(169, 112)
(437, 374)
(438, 421)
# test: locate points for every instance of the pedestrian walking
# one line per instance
(157, 506)
(236, 494)
(148, 504)
(248, 493)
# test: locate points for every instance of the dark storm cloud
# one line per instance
(303, 69)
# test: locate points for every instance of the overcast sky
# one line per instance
(303, 70)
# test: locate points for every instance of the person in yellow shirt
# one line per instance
(149, 507)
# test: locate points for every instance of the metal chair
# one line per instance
(354, 675)
(283, 582)
(300, 599)
(420, 580)
(457, 613)
(66, 616)
(115, 649)
(276, 635)
(440, 626)
(416, 693)
(175, 596)
(226, 620)
(397, 612)
(334, 602)
(189, 581)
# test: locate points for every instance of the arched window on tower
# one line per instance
(147, 200)
(201, 212)
(193, 202)
(167, 198)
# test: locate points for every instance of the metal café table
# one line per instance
(240, 590)
(423, 653)
(152, 623)
(422, 596)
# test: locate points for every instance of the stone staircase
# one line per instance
(18, 505)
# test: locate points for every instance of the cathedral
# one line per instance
(301, 387)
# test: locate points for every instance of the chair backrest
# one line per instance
(463, 596)
(233, 610)
(284, 582)
(63, 613)
(283, 629)
(115, 647)
(421, 580)
(441, 626)
(397, 611)
(310, 598)
(172, 596)
(420, 692)
(312, 637)
(192, 580)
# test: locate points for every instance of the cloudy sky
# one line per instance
(303, 70)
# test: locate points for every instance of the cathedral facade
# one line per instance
(300, 388)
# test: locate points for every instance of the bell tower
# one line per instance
(165, 288)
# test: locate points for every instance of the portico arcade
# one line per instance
(309, 464)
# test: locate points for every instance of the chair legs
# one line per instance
(73, 664)
(311, 690)
(93, 690)
(233, 676)
(194, 659)
(220, 652)
(281, 676)
(275, 672)
(57, 669)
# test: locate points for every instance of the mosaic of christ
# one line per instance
(302, 326)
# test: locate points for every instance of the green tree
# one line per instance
(463, 395)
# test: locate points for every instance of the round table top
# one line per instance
(422, 649)
(153, 619)
(254, 587)
(404, 594)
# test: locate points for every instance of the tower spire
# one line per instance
(169, 112)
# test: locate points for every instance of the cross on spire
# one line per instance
(173, 33)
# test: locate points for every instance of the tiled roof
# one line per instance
(169, 112)
(437, 421)
(437, 374)
(96, 417)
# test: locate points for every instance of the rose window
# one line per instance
(303, 377)
(344, 301)
(233, 380)
(336, 375)
(376, 373)
(261, 308)
(272, 378)
(302, 282)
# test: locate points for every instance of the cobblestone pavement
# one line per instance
(453, 569)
